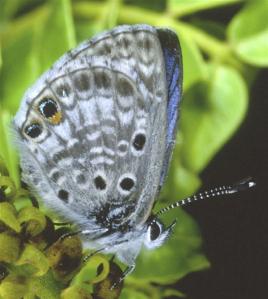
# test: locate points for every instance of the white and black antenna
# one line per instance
(218, 191)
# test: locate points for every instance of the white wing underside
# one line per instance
(110, 89)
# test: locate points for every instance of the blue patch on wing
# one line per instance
(173, 74)
(173, 64)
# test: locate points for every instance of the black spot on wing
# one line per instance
(139, 142)
(63, 195)
(127, 184)
(33, 130)
(100, 183)
(48, 107)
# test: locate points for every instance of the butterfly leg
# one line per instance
(67, 235)
(61, 223)
(70, 234)
(128, 270)
(88, 256)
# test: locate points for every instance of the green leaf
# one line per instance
(21, 63)
(86, 29)
(211, 112)
(45, 35)
(75, 292)
(132, 294)
(57, 33)
(88, 272)
(248, 33)
(7, 150)
(64, 257)
(1, 60)
(7, 183)
(8, 216)
(10, 8)
(14, 287)
(110, 19)
(183, 7)
(34, 220)
(44, 287)
(9, 248)
(31, 255)
(103, 289)
(213, 28)
(178, 257)
(181, 181)
(19, 69)
(174, 293)
(194, 68)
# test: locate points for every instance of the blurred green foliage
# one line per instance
(220, 61)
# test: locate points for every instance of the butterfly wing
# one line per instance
(95, 129)
(174, 75)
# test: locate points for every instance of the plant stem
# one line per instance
(23, 23)
(69, 23)
(216, 49)
(183, 9)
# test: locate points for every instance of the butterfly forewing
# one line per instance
(174, 73)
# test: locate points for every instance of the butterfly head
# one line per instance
(157, 234)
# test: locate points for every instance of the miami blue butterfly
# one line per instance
(96, 134)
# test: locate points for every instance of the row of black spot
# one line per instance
(126, 184)
(49, 108)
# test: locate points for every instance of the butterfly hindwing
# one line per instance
(99, 157)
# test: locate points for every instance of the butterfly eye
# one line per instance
(155, 230)
(33, 130)
(49, 109)
(139, 141)
(157, 234)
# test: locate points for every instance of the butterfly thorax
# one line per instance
(113, 216)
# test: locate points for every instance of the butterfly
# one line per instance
(96, 132)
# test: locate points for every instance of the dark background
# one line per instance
(234, 228)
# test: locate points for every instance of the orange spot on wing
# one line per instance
(56, 118)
